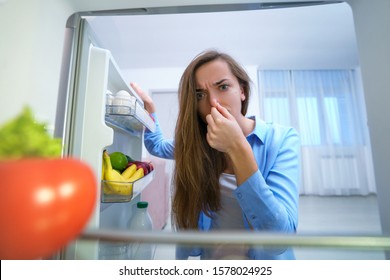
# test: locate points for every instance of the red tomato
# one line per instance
(45, 203)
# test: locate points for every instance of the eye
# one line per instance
(224, 87)
(200, 95)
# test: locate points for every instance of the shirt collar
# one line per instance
(260, 128)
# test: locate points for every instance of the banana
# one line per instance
(103, 169)
(110, 173)
(129, 171)
(115, 183)
(106, 189)
(137, 175)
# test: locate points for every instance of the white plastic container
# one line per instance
(122, 98)
(141, 221)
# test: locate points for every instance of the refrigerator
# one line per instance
(89, 123)
(88, 73)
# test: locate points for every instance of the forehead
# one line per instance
(213, 71)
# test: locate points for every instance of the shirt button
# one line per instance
(253, 217)
(239, 195)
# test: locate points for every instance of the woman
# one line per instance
(232, 172)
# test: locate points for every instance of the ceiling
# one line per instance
(320, 36)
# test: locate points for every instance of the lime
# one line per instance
(118, 161)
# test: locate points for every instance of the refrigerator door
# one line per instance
(92, 126)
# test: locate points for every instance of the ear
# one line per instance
(243, 97)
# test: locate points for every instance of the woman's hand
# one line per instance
(148, 101)
(223, 131)
(225, 135)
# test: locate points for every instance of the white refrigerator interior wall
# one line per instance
(372, 23)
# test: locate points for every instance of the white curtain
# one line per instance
(327, 108)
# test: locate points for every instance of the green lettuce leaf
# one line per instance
(24, 137)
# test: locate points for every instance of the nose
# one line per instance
(213, 98)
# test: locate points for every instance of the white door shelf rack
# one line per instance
(100, 127)
(103, 76)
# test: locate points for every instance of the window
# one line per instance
(323, 105)
(327, 108)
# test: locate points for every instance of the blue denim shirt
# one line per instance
(269, 197)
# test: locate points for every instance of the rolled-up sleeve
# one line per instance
(156, 144)
(269, 200)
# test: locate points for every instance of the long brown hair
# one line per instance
(197, 165)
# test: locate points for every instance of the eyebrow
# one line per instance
(198, 90)
(219, 82)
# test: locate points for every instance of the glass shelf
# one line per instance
(124, 191)
(131, 119)
(115, 192)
